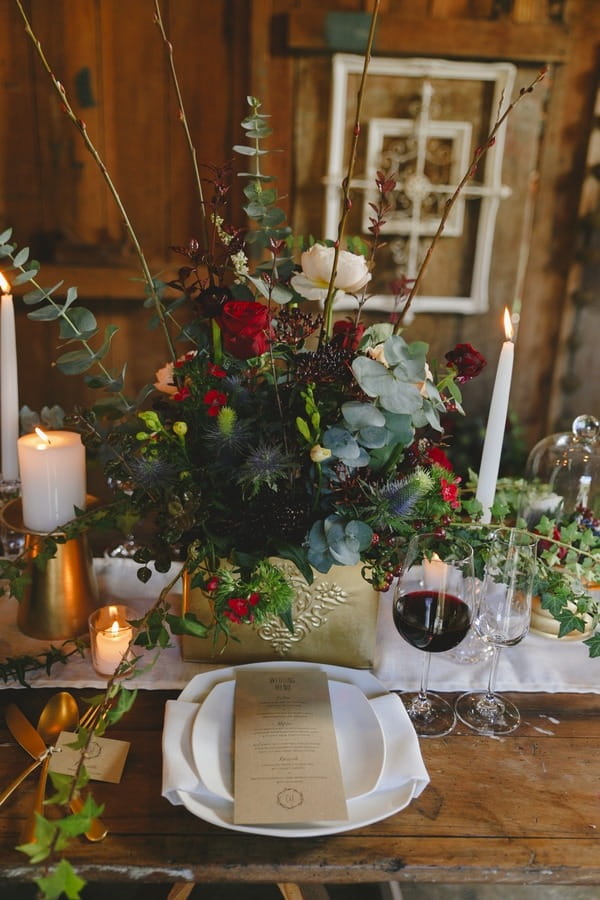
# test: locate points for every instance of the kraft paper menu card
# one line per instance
(286, 763)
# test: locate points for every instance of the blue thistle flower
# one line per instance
(266, 465)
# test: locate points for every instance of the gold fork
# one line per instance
(97, 830)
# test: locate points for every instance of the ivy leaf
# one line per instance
(62, 880)
(593, 645)
(187, 624)
(39, 849)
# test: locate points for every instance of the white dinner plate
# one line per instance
(402, 778)
(359, 736)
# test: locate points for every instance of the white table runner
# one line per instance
(537, 664)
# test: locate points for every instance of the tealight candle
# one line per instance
(53, 480)
(496, 423)
(110, 637)
(9, 389)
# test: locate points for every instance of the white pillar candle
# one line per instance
(496, 423)
(111, 645)
(52, 478)
(435, 573)
(9, 389)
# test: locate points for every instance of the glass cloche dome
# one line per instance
(565, 469)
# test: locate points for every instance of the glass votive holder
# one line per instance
(111, 637)
(12, 542)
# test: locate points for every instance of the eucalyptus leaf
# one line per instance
(79, 324)
(21, 257)
(24, 277)
(75, 362)
(47, 313)
(38, 294)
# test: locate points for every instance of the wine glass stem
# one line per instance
(492, 673)
(424, 677)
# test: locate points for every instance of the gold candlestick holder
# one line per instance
(61, 594)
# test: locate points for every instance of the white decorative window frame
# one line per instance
(490, 190)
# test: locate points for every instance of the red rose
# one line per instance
(245, 328)
(216, 371)
(436, 455)
(467, 361)
(347, 334)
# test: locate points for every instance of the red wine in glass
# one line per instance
(433, 602)
(431, 621)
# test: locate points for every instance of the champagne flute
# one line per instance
(502, 620)
(432, 609)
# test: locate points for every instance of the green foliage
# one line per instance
(16, 668)
(261, 195)
(75, 323)
(62, 881)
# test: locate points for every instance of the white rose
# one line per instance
(422, 385)
(312, 283)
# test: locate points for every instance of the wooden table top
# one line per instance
(519, 809)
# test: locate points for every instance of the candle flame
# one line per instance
(4, 285)
(508, 327)
(42, 436)
(114, 628)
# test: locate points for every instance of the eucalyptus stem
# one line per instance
(85, 343)
(183, 119)
(327, 328)
(81, 127)
(448, 206)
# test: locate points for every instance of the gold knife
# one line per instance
(31, 741)
(38, 750)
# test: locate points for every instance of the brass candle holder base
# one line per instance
(60, 595)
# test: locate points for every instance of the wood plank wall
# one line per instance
(115, 67)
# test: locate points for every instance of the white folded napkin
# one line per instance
(403, 760)
(179, 770)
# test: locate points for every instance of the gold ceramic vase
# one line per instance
(335, 622)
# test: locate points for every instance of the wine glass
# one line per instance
(502, 620)
(129, 546)
(11, 542)
(432, 609)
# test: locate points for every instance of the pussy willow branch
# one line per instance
(346, 199)
(183, 119)
(81, 127)
(478, 153)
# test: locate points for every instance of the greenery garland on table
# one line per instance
(335, 431)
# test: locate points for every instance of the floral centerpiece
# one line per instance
(279, 432)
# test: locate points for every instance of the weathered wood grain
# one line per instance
(516, 810)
